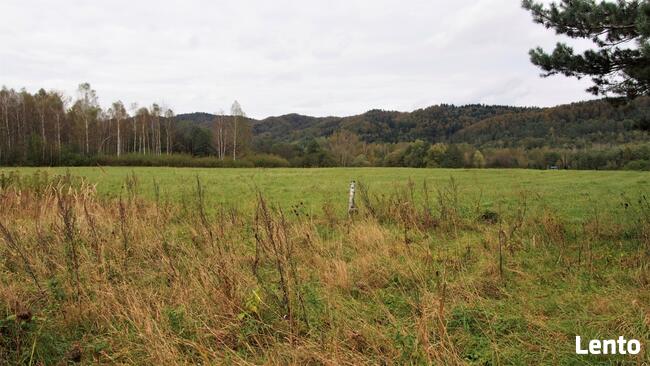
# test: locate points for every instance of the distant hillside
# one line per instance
(571, 125)
(201, 118)
(481, 125)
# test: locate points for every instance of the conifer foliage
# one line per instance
(620, 30)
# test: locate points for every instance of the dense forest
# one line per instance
(49, 128)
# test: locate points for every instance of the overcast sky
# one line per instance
(316, 57)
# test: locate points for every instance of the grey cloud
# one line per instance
(319, 57)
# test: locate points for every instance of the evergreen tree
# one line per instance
(620, 65)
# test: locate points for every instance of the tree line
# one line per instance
(576, 125)
(344, 148)
(50, 128)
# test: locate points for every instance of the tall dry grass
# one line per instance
(132, 281)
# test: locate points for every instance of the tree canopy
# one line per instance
(619, 64)
(47, 128)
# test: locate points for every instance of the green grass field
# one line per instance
(496, 267)
(572, 193)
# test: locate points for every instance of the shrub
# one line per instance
(174, 160)
(637, 165)
(268, 161)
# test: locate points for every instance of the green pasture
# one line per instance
(573, 194)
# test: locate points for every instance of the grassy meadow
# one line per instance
(264, 266)
(572, 193)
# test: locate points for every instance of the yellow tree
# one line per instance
(344, 145)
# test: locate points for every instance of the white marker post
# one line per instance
(351, 207)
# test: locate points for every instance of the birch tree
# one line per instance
(118, 113)
(134, 110)
(169, 116)
(5, 101)
(143, 116)
(58, 108)
(89, 107)
(42, 100)
(237, 113)
(344, 145)
(155, 114)
(219, 134)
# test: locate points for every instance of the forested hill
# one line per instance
(480, 125)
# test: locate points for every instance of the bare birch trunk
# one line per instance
(143, 143)
(222, 153)
(135, 134)
(234, 140)
(159, 136)
(7, 125)
(58, 134)
(119, 142)
(167, 138)
(86, 123)
(43, 133)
